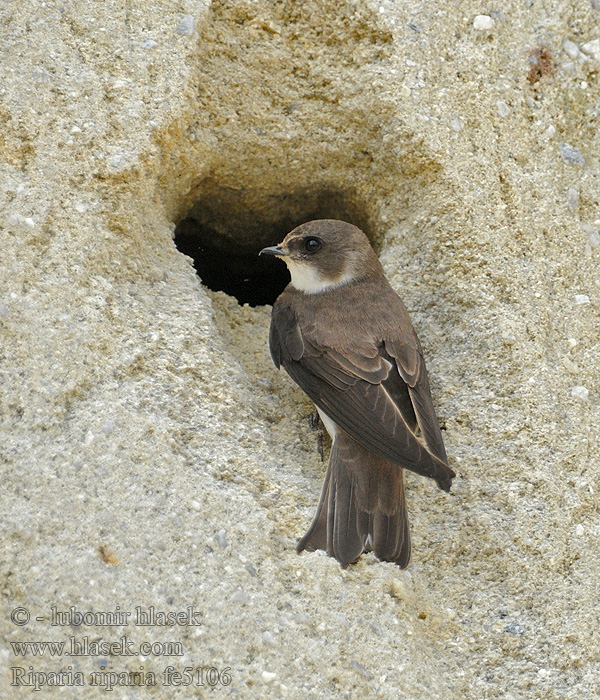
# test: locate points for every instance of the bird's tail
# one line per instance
(362, 507)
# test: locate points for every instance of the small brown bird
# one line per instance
(344, 336)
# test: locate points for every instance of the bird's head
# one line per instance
(325, 254)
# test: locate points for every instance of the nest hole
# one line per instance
(226, 227)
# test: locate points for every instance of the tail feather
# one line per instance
(316, 535)
(345, 542)
(362, 507)
(391, 538)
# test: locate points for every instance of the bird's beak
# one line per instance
(273, 250)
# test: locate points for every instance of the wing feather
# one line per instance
(411, 367)
(377, 396)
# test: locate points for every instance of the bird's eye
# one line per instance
(311, 245)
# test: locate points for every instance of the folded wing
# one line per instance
(377, 395)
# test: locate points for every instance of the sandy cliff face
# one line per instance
(150, 453)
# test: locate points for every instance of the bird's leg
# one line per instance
(315, 423)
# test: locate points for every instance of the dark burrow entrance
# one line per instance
(226, 228)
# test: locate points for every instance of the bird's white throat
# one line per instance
(308, 279)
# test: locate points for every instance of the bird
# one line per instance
(344, 336)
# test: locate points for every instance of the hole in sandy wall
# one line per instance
(289, 120)
(226, 227)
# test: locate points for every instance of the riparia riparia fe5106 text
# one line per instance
(344, 336)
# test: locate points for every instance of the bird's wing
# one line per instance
(411, 368)
(360, 391)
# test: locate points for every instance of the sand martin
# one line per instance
(344, 336)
